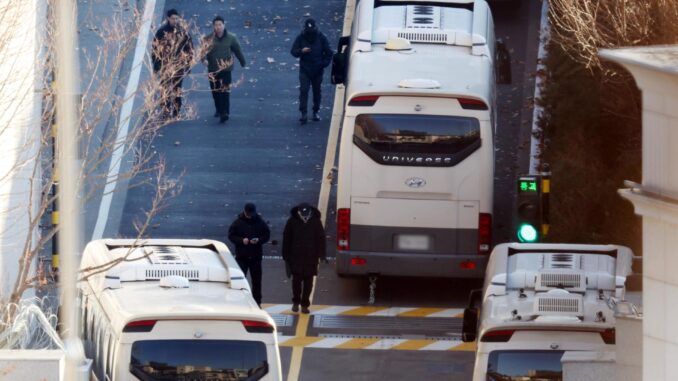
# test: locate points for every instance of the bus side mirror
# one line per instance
(469, 328)
(502, 61)
(340, 61)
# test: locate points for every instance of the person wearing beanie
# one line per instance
(248, 233)
(314, 53)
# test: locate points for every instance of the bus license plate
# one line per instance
(412, 242)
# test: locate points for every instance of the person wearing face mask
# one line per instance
(303, 246)
(248, 233)
(172, 54)
(315, 54)
(221, 46)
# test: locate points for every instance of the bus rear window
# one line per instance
(525, 366)
(156, 360)
(417, 139)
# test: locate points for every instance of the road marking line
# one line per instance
(440, 346)
(357, 343)
(464, 347)
(363, 311)
(124, 121)
(413, 345)
(298, 350)
(431, 312)
(375, 344)
(386, 344)
(330, 342)
(393, 311)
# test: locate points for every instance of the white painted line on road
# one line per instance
(393, 311)
(441, 345)
(386, 344)
(423, 312)
(330, 342)
(124, 120)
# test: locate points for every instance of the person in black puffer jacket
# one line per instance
(303, 247)
(248, 233)
(315, 54)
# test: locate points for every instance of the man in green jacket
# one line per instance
(221, 46)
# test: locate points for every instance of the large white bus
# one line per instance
(416, 156)
(540, 301)
(172, 310)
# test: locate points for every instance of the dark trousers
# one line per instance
(254, 267)
(171, 89)
(301, 289)
(220, 83)
(306, 82)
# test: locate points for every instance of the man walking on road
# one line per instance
(314, 53)
(220, 47)
(172, 53)
(303, 247)
(248, 233)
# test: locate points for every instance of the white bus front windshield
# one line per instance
(525, 366)
(160, 360)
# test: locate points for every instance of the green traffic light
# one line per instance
(527, 233)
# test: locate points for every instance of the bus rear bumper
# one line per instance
(414, 264)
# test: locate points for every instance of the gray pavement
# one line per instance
(262, 155)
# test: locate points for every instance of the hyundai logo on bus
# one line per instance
(415, 182)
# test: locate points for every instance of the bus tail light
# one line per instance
(253, 326)
(363, 100)
(498, 336)
(357, 261)
(140, 326)
(472, 104)
(343, 229)
(484, 233)
(609, 336)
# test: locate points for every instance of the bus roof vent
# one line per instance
(559, 302)
(167, 255)
(422, 17)
(562, 261)
(572, 281)
(160, 273)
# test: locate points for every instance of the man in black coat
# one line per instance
(172, 54)
(248, 233)
(303, 247)
(314, 53)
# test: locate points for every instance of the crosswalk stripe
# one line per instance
(375, 344)
(393, 311)
(413, 345)
(357, 343)
(363, 311)
(386, 344)
(330, 342)
(433, 312)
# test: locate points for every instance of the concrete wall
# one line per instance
(629, 345)
(655, 70)
(588, 366)
(44, 365)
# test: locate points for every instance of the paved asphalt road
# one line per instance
(264, 156)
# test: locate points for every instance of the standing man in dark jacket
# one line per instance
(303, 247)
(314, 53)
(172, 53)
(248, 233)
(221, 46)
